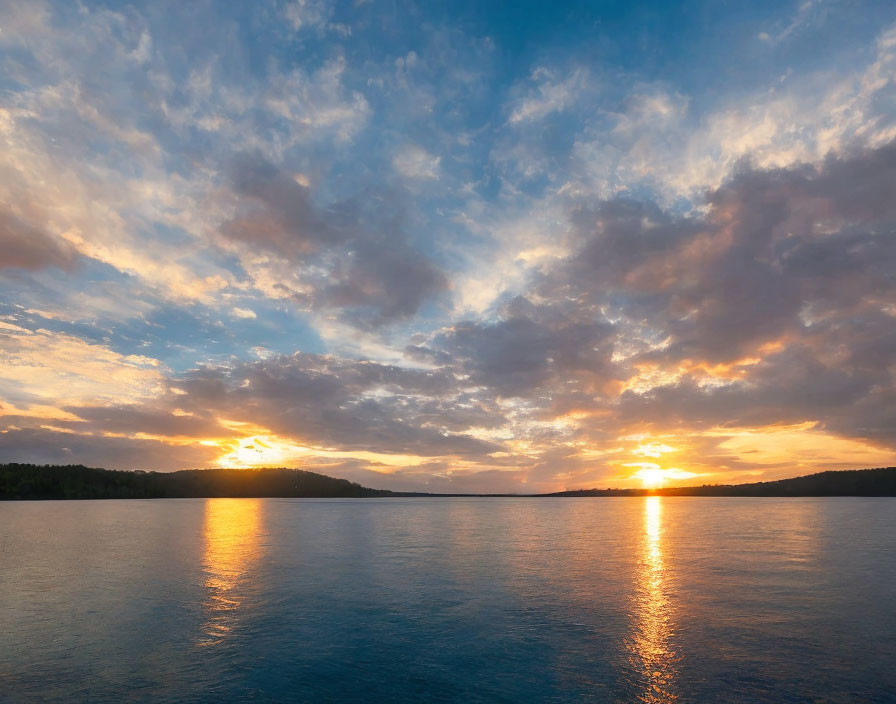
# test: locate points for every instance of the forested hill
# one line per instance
(28, 481)
(856, 482)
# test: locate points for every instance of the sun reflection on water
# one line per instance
(232, 532)
(652, 653)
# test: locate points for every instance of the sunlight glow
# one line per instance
(261, 448)
(800, 444)
(653, 449)
(654, 612)
(260, 451)
(653, 476)
(232, 534)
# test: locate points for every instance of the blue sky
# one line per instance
(453, 246)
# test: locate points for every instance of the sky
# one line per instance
(459, 247)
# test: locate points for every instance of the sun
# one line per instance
(258, 451)
(651, 478)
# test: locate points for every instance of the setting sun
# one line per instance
(651, 478)
(259, 451)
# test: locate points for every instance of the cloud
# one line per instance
(276, 211)
(327, 256)
(773, 247)
(28, 247)
(308, 14)
(654, 137)
(48, 446)
(416, 163)
(244, 313)
(808, 12)
(52, 368)
(550, 94)
(773, 307)
(154, 132)
(526, 348)
(328, 402)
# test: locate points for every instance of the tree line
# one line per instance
(29, 481)
(880, 481)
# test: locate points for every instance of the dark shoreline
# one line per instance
(55, 482)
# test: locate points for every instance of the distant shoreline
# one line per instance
(72, 482)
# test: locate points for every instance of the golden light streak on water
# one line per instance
(232, 534)
(651, 648)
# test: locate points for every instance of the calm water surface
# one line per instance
(461, 600)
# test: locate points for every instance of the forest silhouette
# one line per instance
(29, 481)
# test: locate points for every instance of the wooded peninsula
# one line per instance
(31, 482)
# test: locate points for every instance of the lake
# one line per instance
(449, 600)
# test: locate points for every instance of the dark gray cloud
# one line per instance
(527, 348)
(803, 257)
(368, 271)
(47, 446)
(144, 419)
(23, 246)
(276, 212)
(343, 404)
(774, 248)
(315, 399)
(788, 387)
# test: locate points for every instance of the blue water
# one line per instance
(449, 600)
